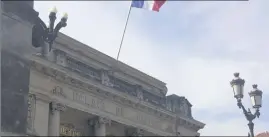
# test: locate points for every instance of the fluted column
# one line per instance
(99, 124)
(54, 118)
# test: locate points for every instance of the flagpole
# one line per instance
(124, 31)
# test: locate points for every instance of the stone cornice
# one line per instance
(89, 52)
(116, 73)
(62, 74)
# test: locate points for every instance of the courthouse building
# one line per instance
(79, 91)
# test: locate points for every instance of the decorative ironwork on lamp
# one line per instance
(256, 98)
(43, 36)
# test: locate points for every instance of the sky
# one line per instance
(193, 46)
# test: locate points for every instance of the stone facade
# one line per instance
(16, 23)
(77, 90)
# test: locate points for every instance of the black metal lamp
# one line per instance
(256, 98)
(238, 86)
(52, 33)
(42, 34)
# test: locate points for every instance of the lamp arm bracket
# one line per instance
(56, 30)
(244, 110)
(44, 31)
(257, 113)
(249, 116)
(39, 21)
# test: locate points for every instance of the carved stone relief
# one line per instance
(124, 86)
(98, 103)
(139, 92)
(82, 68)
(103, 120)
(184, 107)
(58, 91)
(169, 106)
(31, 111)
(139, 132)
(60, 58)
(97, 121)
(153, 99)
(105, 78)
(133, 132)
(57, 107)
(108, 81)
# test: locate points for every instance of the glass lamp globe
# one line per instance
(65, 16)
(238, 86)
(53, 10)
(256, 97)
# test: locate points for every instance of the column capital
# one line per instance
(132, 131)
(42, 97)
(103, 120)
(139, 132)
(98, 121)
(54, 106)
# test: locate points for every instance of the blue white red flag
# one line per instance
(153, 5)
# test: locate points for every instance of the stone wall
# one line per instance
(16, 49)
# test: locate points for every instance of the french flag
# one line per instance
(153, 5)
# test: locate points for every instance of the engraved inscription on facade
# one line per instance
(79, 97)
(88, 100)
(97, 103)
(144, 119)
(119, 111)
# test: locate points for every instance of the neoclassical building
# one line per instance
(79, 91)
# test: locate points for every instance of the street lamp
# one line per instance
(44, 36)
(256, 99)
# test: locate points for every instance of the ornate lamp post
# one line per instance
(44, 36)
(256, 99)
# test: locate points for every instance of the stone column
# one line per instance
(54, 118)
(45, 50)
(99, 124)
(41, 115)
(38, 115)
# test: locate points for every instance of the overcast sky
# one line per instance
(194, 47)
